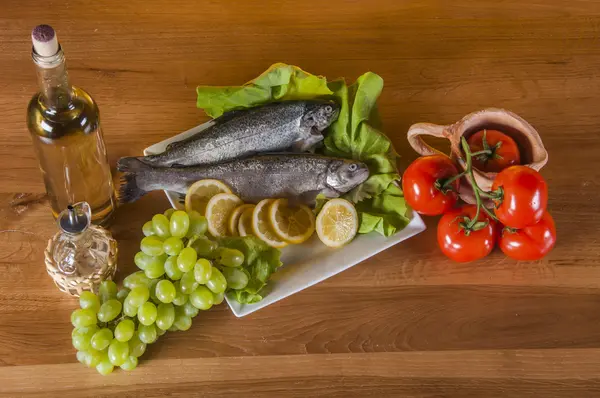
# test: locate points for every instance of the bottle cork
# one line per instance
(44, 40)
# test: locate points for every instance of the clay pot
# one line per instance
(533, 153)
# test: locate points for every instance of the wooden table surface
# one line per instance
(405, 323)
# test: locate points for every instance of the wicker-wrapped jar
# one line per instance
(80, 256)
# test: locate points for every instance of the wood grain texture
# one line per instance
(406, 323)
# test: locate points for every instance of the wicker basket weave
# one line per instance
(76, 284)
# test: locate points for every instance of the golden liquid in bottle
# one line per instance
(70, 149)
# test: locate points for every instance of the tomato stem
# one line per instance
(478, 192)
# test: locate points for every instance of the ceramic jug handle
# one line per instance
(416, 142)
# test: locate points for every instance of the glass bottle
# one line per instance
(80, 256)
(65, 127)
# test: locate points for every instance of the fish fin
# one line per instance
(181, 199)
(132, 164)
(308, 198)
(173, 145)
(129, 190)
(227, 116)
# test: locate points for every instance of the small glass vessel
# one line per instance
(80, 255)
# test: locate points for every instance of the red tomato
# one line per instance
(525, 196)
(505, 151)
(530, 243)
(422, 182)
(459, 245)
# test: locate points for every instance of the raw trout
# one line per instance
(281, 126)
(300, 177)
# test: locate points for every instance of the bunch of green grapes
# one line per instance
(181, 272)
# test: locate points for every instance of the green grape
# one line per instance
(173, 329)
(152, 246)
(147, 229)
(230, 257)
(130, 364)
(83, 317)
(169, 212)
(165, 316)
(101, 339)
(188, 283)
(219, 297)
(153, 297)
(202, 298)
(160, 332)
(124, 330)
(147, 313)
(180, 297)
(94, 357)
(109, 310)
(186, 259)
(122, 294)
(136, 346)
(118, 352)
(217, 282)
(165, 291)
(155, 269)
(107, 291)
(160, 223)
(180, 223)
(147, 333)
(171, 269)
(82, 357)
(188, 310)
(137, 279)
(105, 367)
(198, 224)
(82, 337)
(183, 322)
(236, 278)
(129, 309)
(81, 342)
(142, 260)
(138, 295)
(172, 246)
(202, 271)
(89, 300)
(204, 247)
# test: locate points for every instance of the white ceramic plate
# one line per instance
(309, 263)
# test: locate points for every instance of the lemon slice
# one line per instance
(245, 222)
(261, 225)
(292, 224)
(337, 223)
(200, 192)
(218, 210)
(234, 218)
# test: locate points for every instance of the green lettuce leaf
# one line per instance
(355, 134)
(279, 82)
(260, 261)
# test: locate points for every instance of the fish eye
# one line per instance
(353, 167)
(328, 108)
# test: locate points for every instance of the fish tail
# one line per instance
(129, 191)
(133, 164)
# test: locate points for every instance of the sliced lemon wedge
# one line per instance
(245, 222)
(294, 224)
(261, 225)
(200, 192)
(337, 223)
(234, 218)
(218, 210)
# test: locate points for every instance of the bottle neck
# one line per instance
(53, 80)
